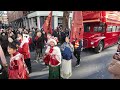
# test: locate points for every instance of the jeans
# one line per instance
(77, 55)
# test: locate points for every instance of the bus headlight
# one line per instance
(92, 43)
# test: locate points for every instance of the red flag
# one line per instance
(77, 26)
(47, 26)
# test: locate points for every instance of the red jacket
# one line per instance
(25, 50)
(30, 41)
(17, 68)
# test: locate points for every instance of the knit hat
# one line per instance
(53, 39)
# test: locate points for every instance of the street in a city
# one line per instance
(93, 66)
(84, 29)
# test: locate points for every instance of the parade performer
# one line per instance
(24, 49)
(52, 57)
(67, 51)
(17, 68)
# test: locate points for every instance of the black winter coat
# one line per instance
(39, 42)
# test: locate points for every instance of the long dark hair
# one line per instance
(13, 45)
(20, 34)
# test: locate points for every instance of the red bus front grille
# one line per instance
(85, 43)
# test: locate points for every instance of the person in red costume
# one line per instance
(52, 57)
(17, 67)
(24, 49)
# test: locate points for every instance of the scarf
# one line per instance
(51, 50)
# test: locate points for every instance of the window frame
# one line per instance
(111, 28)
(88, 26)
(98, 30)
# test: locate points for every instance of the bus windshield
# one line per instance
(86, 28)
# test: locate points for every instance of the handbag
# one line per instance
(114, 67)
(46, 59)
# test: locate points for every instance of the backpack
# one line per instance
(67, 54)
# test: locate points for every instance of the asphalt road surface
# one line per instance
(93, 66)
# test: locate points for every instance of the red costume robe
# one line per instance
(17, 68)
(52, 56)
(24, 49)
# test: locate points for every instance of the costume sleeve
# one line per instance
(24, 49)
(47, 50)
(56, 58)
(62, 47)
(58, 54)
(20, 50)
(15, 64)
(71, 47)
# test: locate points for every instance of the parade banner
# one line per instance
(26, 38)
(47, 26)
(77, 28)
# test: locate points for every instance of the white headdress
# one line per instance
(53, 39)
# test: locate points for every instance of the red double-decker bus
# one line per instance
(101, 29)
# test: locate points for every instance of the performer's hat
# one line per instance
(53, 39)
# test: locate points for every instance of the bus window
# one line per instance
(98, 29)
(109, 29)
(86, 28)
(117, 28)
(113, 28)
(95, 29)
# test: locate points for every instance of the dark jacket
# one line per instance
(39, 42)
(55, 34)
(79, 47)
(63, 35)
(4, 42)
